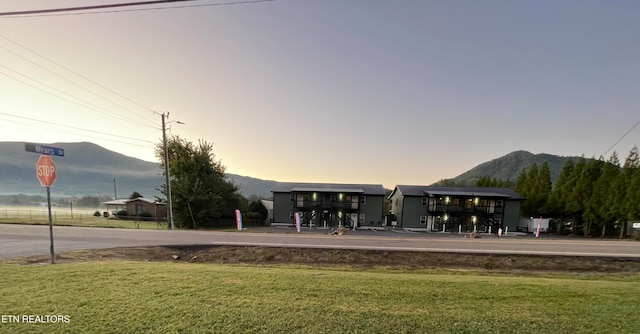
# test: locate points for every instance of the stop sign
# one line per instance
(46, 170)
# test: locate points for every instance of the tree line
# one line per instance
(595, 196)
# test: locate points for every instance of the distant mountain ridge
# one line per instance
(508, 167)
(88, 169)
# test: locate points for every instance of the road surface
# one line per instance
(26, 240)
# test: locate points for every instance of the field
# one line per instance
(248, 290)
(84, 217)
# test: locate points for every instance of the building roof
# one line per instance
(365, 189)
(406, 190)
(267, 204)
(124, 201)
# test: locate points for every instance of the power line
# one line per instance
(621, 138)
(80, 75)
(31, 126)
(89, 106)
(61, 11)
(69, 80)
(71, 9)
(92, 106)
(76, 128)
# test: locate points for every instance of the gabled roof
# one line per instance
(124, 201)
(406, 190)
(365, 189)
(267, 204)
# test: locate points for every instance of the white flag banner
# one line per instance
(298, 224)
(238, 220)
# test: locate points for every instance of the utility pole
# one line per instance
(166, 170)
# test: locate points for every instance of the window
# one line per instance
(424, 201)
(362, 218)
(423, 220)
(290, 214)
(139, 209)
(291, 197)
(499, 204)
(363, 199)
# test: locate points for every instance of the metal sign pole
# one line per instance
(50, 226)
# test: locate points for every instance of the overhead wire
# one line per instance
(60, 11)
(91, 105)
(79, 74)
(621, 138)
(92, 135)
(88, 105)
(76, 128)
(71, 81)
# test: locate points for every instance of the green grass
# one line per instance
(84, 220)
(146, 297)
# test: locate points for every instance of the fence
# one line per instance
(75, 218)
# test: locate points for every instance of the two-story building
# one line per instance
(455, 209)
(327, 205)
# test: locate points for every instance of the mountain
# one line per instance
(508, 167)
(91, 170)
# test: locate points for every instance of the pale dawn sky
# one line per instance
(338, 91)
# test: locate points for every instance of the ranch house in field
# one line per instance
(139, 207)
(455, 209)
(326, 205)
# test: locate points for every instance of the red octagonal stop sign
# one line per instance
(46, 171)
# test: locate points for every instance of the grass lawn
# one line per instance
(151, 297)
(85, 221)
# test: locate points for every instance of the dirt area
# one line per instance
(365, 259)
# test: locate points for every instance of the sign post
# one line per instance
(46, 173)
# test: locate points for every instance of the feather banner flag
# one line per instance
(238, 220)
(298, 224)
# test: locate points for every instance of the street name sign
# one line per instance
(42, 149)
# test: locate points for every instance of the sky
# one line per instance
(335, 91)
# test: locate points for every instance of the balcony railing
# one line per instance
(322, 204)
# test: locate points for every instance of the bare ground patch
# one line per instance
(396, 260)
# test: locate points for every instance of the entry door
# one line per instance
(354, 219)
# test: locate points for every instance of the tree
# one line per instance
(585, 192)
(626, 181)
(200, 193)
(557, 202)
(257, 207)
(603, 199)
(521, 182)
(135, 195)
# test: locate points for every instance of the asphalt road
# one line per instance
(26, 240)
